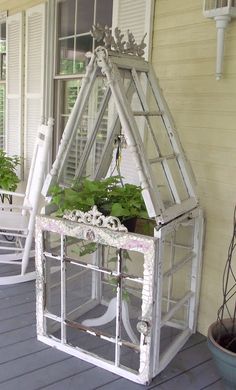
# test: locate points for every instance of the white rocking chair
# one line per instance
(17, 220)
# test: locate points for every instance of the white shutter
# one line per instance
(136, 16)
(14, 31)
(34, 77)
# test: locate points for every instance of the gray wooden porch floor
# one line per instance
(29, 364)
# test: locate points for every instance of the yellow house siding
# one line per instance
(204, 110)
(13, 6)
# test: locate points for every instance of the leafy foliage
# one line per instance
(108, 195)
(111, 198)
(8, 176)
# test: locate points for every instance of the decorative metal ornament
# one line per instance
(95, 218)
(143, 327)
(117, 43)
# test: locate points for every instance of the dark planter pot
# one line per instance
(225, 360)
(140, 225)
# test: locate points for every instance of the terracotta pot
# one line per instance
(225, 360)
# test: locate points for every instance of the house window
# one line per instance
(74, 21)
(2, 82)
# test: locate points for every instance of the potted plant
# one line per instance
(111, 197)
(8, 176)
(222, 333)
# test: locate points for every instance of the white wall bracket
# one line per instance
(222, 11)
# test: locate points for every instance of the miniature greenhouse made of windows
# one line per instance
(122, 300)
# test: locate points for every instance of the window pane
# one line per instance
(74, 61)
(3, 31)
(3, 66)
(2, 37)
(66, 50)
(3, 51)
(69, 92)
(66, 18)
(83, 45)
(85, 14)
(104, 12)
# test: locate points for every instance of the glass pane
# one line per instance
(130, 89)
(83, 133)
(131, 310)
(88, 294)
(85, 12)
(66, 50)
(158, 135)
(83, 45)
(162, 184)
(73, 60)
(53, 286)
(91, 301)
(177, 271)
(67, 91)
(104, 12)
(70, 93)
(3, 31)
(179, 181)
(79, 283)
(129, 358)
(98, 346)
(178, 245)
(176, 286)
(156, 132)
(75, 154)
(3, 51)
(83, 251)
(66, 18)
(52, 243)
(76, 150)
(167, 337)
(53, 328)
(185, 236)
(3, 66)
(105, 123)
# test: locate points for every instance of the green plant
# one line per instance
(110, 197)
(8, 176)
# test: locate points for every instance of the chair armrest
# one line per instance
(2, 191)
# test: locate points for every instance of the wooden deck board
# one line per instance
(29, 364)
(17, 335)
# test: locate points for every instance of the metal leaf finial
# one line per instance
(117, 43)
(95, 218)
